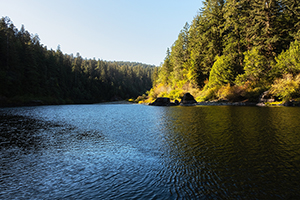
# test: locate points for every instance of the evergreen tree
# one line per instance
(222, 72)
(255, 67)
(288, 62)
(236, 37)
(207, 38)
(30, 71)
(179, 57)
(264, 30)
(165, 70)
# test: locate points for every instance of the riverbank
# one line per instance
(43, 101)
(219, 103)
(260, 104)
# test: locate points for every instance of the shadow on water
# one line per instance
(233, 152)
(28, 133)
(22, 132)
(39, 158)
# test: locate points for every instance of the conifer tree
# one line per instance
(165, 70)
(236, 13)
(179, 57)
(206, 41)
(263, 32)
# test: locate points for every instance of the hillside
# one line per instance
(30, 73)
(234, 51)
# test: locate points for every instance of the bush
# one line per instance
(231, 93)
(208, 94)
(140, 99)
(288, 62)
(287, 87)
(255, 67)
(176, 94)
(222, 71)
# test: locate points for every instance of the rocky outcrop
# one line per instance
(188, 100)
(266, 97)
(161, 101)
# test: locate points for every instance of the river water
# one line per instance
(129, 151)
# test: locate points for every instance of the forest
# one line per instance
(234, 50)
(30, 73)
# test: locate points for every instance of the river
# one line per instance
(130, 151)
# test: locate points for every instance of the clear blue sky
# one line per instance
(121, 30)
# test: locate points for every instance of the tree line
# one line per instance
(234, 50)
(29, 71)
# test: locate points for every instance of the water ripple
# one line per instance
(138, 152)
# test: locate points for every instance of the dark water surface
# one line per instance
(112, 151)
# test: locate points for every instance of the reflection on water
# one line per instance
(235, 152)
(139, 152)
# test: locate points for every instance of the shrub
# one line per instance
(208, 94)
(222, 71)
(287, 87)
(288, 62)
(231, 93)
(176, 94)
(255, 67)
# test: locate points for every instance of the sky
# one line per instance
(120, 30)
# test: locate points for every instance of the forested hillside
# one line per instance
(30, 72)
(234, 50)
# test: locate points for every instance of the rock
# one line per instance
(289, 103)
(188, 99)
(266, 97)
(161, 101)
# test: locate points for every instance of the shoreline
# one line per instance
(258, 104)
(205, 103)
(41, 103)
(212, 103)
(252, 104)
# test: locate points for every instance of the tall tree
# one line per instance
(179, 57)
(236, 13)
(207, 38)
(264, 32)
(165, 70)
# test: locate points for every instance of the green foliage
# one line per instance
(139, 99)
(164, 74)
(176, 94)
(222, 72)
(287, 87)
(28, 71)
(288, 62)
(233, 42)
(228, 92)
(206, 40)
(208, 94)
(255, 67)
